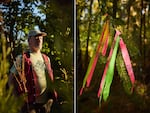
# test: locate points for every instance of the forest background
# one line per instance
(132, 19)
(55, 17)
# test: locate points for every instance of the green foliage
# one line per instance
(8, 102)
(134, 26)
(123, 73)
(54, 17)
(64, 87)
(60, 32)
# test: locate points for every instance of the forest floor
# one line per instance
(118, 102)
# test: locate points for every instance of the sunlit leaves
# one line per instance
(46, 49)
(6, 98)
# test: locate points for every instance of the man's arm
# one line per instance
(12, 83)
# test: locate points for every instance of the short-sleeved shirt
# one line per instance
(38, 66)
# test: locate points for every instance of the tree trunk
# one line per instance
(88, 35)
(114, 8)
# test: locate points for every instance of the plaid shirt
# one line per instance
(31, 77)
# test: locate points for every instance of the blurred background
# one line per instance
(55, 17)
(131, 18)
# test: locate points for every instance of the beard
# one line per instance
(37, 47)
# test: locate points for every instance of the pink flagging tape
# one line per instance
(127, 61)
(107, 64)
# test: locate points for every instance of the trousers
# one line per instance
(37, 107)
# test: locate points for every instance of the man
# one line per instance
(32, 75)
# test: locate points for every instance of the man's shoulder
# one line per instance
(45, 57)
(26, 54)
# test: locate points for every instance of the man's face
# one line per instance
(35, 43)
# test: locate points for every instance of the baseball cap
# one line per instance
(34, 33)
